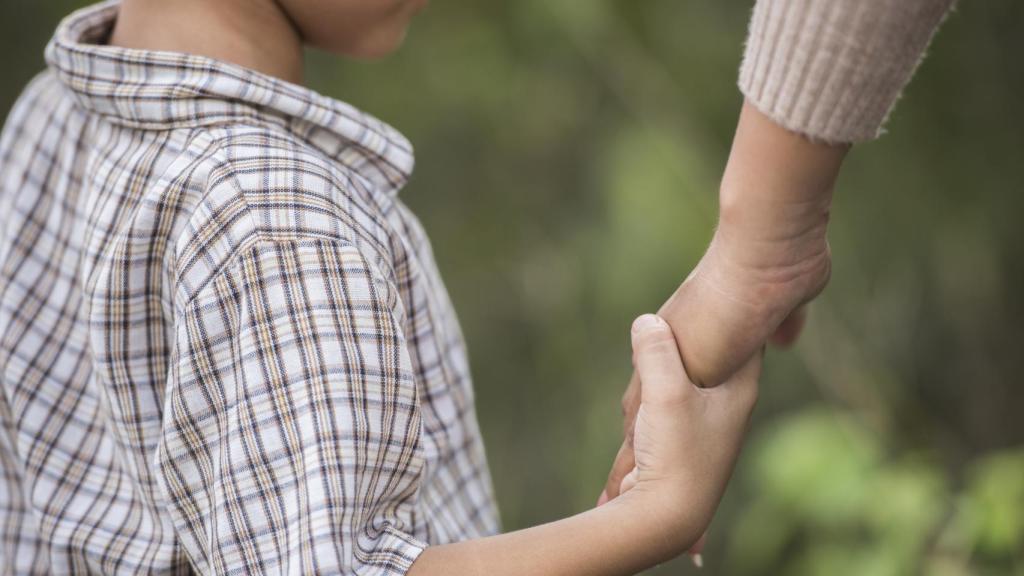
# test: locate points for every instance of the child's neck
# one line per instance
(254, 34)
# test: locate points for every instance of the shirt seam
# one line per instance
(261, 238)
(257, 233)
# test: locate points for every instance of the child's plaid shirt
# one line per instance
(225, 344)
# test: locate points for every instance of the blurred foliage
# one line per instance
(568, 156)
(842, 506)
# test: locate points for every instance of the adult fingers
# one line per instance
(696, 551)
(624, 459)
(630, 405)
(624, 462)
(790, 329)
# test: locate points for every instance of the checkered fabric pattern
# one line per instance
(225, 347)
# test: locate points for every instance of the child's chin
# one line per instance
(371, 47)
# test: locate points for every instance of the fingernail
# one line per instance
(646, 322)
(697, 560)
(603, 499)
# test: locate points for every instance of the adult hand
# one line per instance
(744, 302)
(769, 255)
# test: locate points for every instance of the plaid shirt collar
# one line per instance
(163, 90)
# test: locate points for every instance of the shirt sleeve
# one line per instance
(833, 69)
(291, 424)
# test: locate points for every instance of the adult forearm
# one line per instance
(620, 538)
(776, 191)
(769, 253)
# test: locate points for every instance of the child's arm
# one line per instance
(687, 440)
(291, 439)
(624, 537)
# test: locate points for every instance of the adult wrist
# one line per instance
(777, 183)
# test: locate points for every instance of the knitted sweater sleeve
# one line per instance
(832, 69)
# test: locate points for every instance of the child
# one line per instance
(226, 347)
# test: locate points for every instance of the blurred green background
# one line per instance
(568, 159)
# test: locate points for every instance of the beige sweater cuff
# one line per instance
(832, 69)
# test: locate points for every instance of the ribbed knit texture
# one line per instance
(832, 69)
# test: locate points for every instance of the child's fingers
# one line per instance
(743, 385)
(662, 377)
(629, 481)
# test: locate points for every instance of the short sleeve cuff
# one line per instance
(393, 554)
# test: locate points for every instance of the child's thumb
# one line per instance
(662, 377)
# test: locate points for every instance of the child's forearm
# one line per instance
(622, 537)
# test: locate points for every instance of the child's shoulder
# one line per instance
(288, 187)
(259, 183)
(42, 89)
(43, 102)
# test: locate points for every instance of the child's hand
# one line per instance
(744, 290)
(686, 439)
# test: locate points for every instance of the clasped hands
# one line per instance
(717, 322)
(768, 258)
